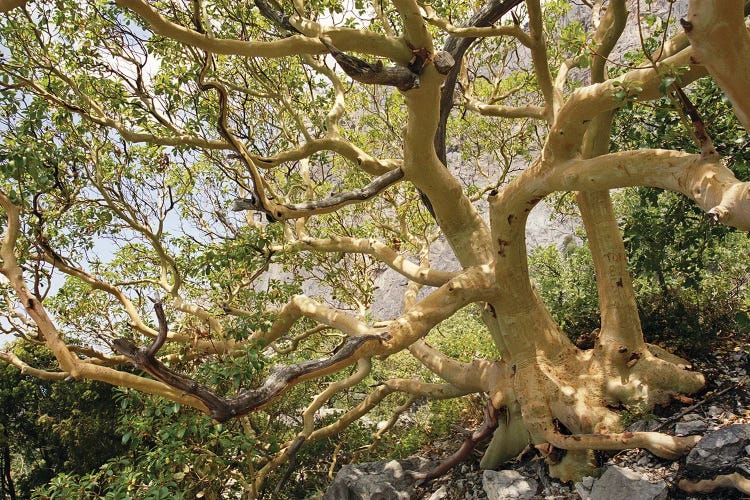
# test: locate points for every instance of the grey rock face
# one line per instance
(507, 484)
(387, 480)
(719, 450)
(619, 483)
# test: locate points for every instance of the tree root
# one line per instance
(484, 432)
(661, 445)
(735, 480)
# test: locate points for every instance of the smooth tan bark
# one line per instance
(720, 39)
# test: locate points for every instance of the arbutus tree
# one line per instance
(130, 129)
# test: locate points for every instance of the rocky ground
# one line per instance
(721, 413)
(724, 402)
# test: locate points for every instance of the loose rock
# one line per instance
(507, 484)
(690, 428)
(718, 451)
(619, 483)
(387, 480)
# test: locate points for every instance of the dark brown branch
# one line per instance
(271, 10)
(400, 77)
(490, 13)
(484, 432)
(292, 465)
(278, 381)
(163, 329)
(334, 202)
(699, 127)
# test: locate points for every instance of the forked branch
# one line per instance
(222, 409)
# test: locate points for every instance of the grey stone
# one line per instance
(690, 417)
(386, 480)
(717, 451)
(583, 488)
(619, 483)
(714, 411)
(440, 494)
(691, 427)
(643, 425)
(507, 484)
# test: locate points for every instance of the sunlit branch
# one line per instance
(585, 103)
(706, 181)
(413, 387)
(734, 480)
(539, 57)
(345, 39)
(382, 252)
(529, 111)
(301, 306)
(68, 361)
(469, 376)
(27, 369)
(721, 42)
(364, 366)
(366, 162)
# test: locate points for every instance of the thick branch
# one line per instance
(487, 15)
(400, 77)
(345, 39)
(584, 104)
(223, 409)
(706, 181)
(382, 252)
(8, 5)
(721, 42)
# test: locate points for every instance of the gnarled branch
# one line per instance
(327, 205)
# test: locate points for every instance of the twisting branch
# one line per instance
(484, 432)
(489, 14)
(222, 409)
(144, 358)
(330, 204)
(699, 127)
(271, 10)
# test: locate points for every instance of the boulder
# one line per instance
(619, 483)
(386, 480)
(690, 427)
(718, 451)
